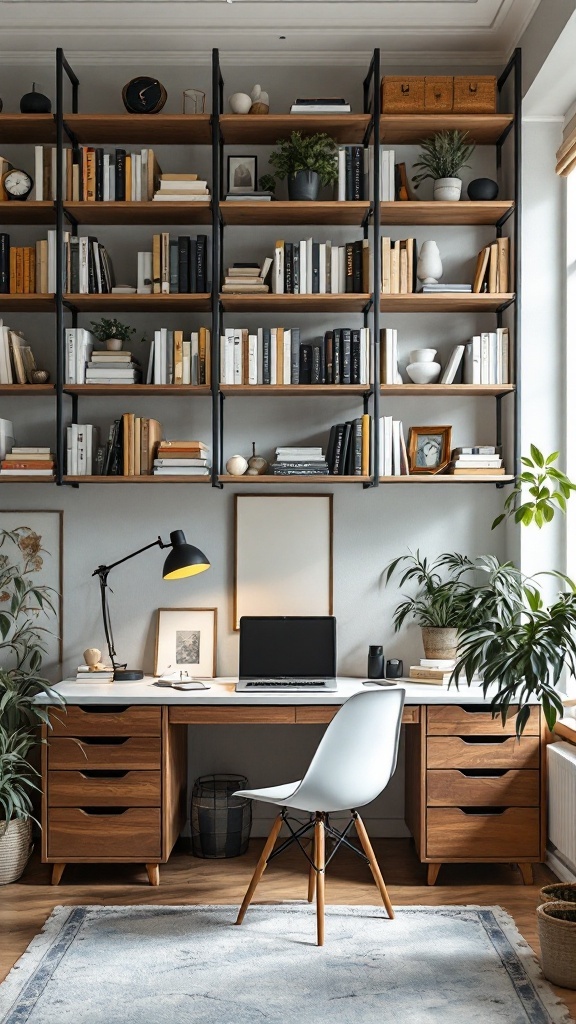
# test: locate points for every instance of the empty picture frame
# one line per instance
(283, 555)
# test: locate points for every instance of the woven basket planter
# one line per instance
(15, 849)
(557, 932)
(563, 892)
(440, 642)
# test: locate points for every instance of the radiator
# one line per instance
(562, 801)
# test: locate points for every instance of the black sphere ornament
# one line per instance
(35, 102)
(482, 190)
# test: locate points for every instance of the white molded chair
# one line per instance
(354, 762)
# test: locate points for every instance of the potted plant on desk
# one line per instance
(23, 604)
(306, 161)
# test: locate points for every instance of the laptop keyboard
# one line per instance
(297, 684)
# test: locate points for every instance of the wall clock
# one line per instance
(144, 96)
(17, 184)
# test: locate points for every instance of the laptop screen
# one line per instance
(293, 646)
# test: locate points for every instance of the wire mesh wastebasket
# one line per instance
(220, 822)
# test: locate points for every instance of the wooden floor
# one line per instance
(25, 905)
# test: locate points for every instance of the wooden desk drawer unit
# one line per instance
(106, 721)
(132, 832)
(459, 720)
(126, 752)
(474, 834)
(483, 752)
(104, 788)
(456, 788)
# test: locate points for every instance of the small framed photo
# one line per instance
(242, 174)
(429, 449)
(186, 642)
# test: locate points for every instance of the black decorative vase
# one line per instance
(482, 190)
(304, 186)
(35, 102)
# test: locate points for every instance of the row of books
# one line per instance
(347, 453)
(308, 267)
(28, 461)
(28, 269)
(175, 359)
(351, 173)
(398, 266)
(129, 445)
(487, 358)
(492, 273)
(277, 355)
(392, 454)
(175, 265)
(17, 361)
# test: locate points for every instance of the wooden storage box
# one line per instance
(474, 94)
(438, 93)
(403, 94)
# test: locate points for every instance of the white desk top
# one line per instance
(222, 693)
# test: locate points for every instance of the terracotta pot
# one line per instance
(439, 642)
(15, 848)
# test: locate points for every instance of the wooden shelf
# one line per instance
(27, 303)
(22, 128)
(273, 212)
(463, 212)
(445, 302)
(446, 390)
(425, 478)
(345, 303)
(27, 389)
(283, 480)
(174, 390)
(13, 212)
(131, 129)
(137, 479)
(302, 390)
(410, 129)
(140, 303)
(140, 213)
(265, 129)
(26, 479)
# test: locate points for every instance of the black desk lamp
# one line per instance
(184, 560)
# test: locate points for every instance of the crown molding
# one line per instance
(537, 118)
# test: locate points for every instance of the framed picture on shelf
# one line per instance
(186, 642)
(429, 449)
(242, 174)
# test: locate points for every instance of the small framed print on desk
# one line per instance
(186, 642)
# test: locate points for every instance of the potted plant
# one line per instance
(111, 333)
(442, 158)
(306, 161)
(23, 604)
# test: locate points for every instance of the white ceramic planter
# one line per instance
(448, 189)
(114, 344)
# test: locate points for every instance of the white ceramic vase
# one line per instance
(240, 103)
(422, 369)
(448, 189)
(429, 263)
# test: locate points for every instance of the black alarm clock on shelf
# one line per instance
(144, 96)
(17, 184)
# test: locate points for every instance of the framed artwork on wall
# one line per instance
(186, 642)
(283, 555)
(429, 449)
(35, 546)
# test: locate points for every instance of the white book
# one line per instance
(364, 355)
(38, 174)
(273, 356)
(396, 470)
(106, 177)
(73, 466)
(303, 267)
(322, 268)
(485, 358)
(391, 175)
(387, 446)
(5, 363)
(341, 269)
(150, 370)
(157, 374)
(186, 362)
(278, 270)
(223, 340)
(452, 365)
(328, 267)
(144, 273)
(81, 449)
(260, 373)
(334, 269)
(253, 357)
(165, 358)
(89, 448)
(504, 354)
(169, 357)
(84, 346)
(237, 355)
(137, 164)
(472, 361)
(228, 359)
(384, 175)
(194, 357)
(492, 358)
(287, 354)
(341, 173)
(308, 278)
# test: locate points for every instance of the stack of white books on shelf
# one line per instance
(299, 461)
(85, 674)
(81, 441)
(320, 105)
(113, 368)
(392, 455)
(247, 278)
(487, 358)
(182, 458)
(28, 461)
(181, 188)
(478, 460)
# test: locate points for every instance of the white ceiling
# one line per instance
(289, 31)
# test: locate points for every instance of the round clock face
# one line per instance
(144, 96)
(18, 184)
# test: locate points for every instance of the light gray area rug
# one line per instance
(182, 965)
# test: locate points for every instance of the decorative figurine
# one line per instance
(35, 102)
(40, 376)
(240, 103)
(429, 263)
(92, 658)
(236, 465)
(256, 464)
(260, 101)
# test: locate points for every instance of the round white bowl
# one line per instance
(423, 373)
(422, 355)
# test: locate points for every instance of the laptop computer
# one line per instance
(287, 654)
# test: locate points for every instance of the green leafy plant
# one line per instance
(549, 489)
(304, 153)
(103, 329)
(267, 183)
(443, 156)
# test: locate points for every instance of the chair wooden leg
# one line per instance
(311, 882)
(260, 868)
(57, 872)
(376, 873)
(527, 874)
(433, 872)
(320, 861)
(153, 871)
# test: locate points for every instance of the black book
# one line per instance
(329, 356)
(330, 448)
(174, 266)
(337, 357)
(183, 261)
(346, 356)
(192, 265)
(4, 263)
(112, 450)
(357, 249)
(201, 253)
(349, 177)
(266, 355)
(357, 173)
(251, 266)
(340, 467)
(318, 373)
(295, 356)
(295, 268)
(349, 456)
(92, 280)
(349, 267)
(105, 282)
(337, 452)
(99, 160)
(74, 282)
(357, 446)
(355, 357)
(315, 267)
(120, 175)
(288, 268)
(305, 364)
(108, 267)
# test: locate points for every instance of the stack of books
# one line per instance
(28, 461)
(351, 161)
(175, 266)
(182, 458)
(444, 287)
(113, 368)
(487, 358)
(321, 268)
(320, 105)
(175, 359)
(392, 455)
(6, 436)
(348, 451)
(478, 460)
(181, 188)
(492, 272)
(16, 357)
(435, 671)
(276, 355)
(247, 278)
(398, 266)
(245, 197)
(85, 674)
(299, 461)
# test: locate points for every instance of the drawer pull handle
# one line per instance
(103, 811)
(105, 709)
(473, 87)
(485, 812)
(100, 741)
(484, 740)
(483, 773)
(103, 774)
(405, 88)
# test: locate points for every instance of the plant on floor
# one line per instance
(24, 608)
(306, 161)
(443, 157)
